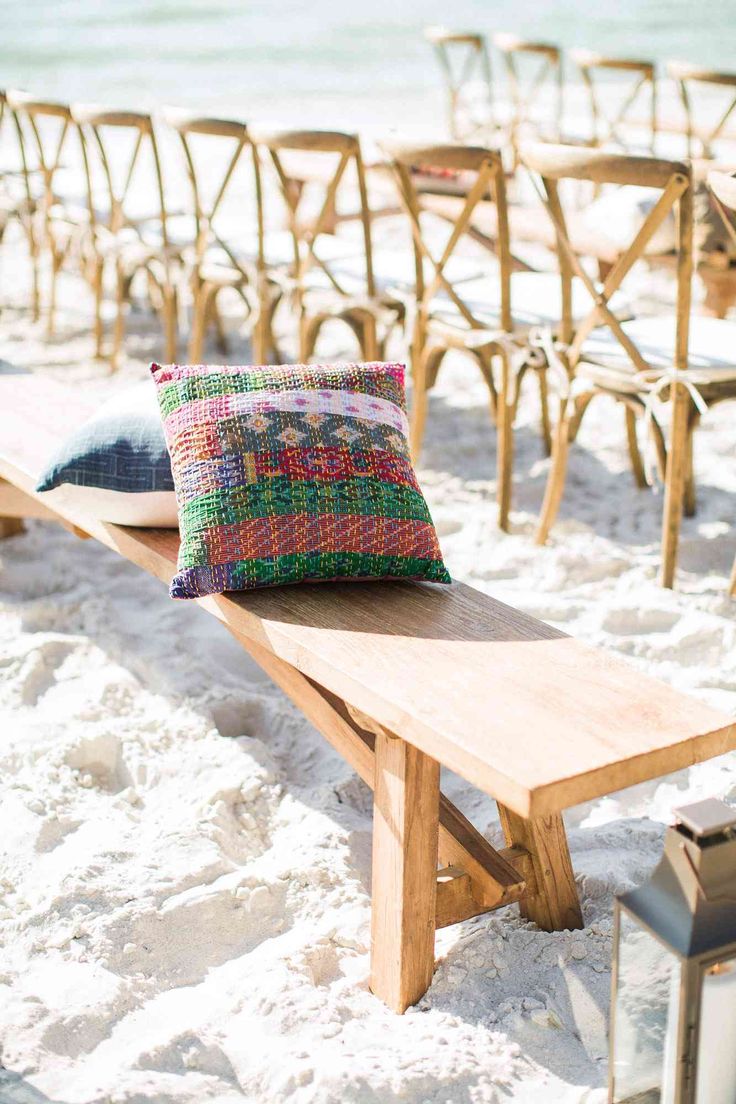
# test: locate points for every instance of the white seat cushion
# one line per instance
(711, 354)
(536, 300)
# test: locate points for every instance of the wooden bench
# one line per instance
(401, 678)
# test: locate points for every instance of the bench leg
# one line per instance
(555, 906)
(10, 526)
(405, 833)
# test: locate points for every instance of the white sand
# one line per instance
(184, 905)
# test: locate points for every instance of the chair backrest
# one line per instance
(466, 69)
(121, 170)
(708, 100)
(213, 150)
(536, 84)
(324, 160)
(12, 167)
(44, 130)
(674, 182)
(722, 187)
(612, 117)
(483, 178)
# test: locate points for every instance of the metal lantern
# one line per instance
(673, 1014)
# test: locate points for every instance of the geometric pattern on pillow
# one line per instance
(285, 474)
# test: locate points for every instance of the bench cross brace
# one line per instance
(431, 867)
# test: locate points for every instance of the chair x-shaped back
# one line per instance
(341, 151)
(533, 70)
(608, 126)
(208, 201)
(45, 126)
(119, 167)
(688, 77)
(464, 61)
(488, 185)
(673, 180)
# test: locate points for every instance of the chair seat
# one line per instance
(535, 301)
(181, 230)
(279, 253)
(711, 355)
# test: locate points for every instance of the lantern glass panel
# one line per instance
(715, 1078)
(646, 1016)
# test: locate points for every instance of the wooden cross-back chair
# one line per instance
(45, 130)
(330, 276)
(470, 309)
(536, 82)
(723, 188)
(123, 236)
(705, 124)
(19, 192)
(612, 124)
(226, 253)
(686, 361)
(466, 70)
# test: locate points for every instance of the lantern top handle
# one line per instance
(706, 818)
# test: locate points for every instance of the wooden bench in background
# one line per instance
(401, 678)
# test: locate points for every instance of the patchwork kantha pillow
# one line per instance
(293, 473)
(115, 466)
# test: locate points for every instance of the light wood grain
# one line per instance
(578, 163)
(10, 527)
(555, 905)
(483, 688)
(15, 504)
(405, 828)
(455, 899)
(497, 878)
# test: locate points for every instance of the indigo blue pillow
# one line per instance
(116, 466)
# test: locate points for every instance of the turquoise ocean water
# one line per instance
(346, 62)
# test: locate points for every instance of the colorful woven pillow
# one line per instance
(293, 473)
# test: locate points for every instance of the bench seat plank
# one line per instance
(537, 719)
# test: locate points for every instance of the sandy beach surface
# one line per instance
(184, 881)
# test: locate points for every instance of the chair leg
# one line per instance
(660, 447)
(308, 334)
(369, 344)
(674, 488)
(404, 890)
(423, 367)
(51, 315)
(259, 337)
(10, 527)
(544, 411)
(170, 313)
(556, 479)
(261, 332)
(119, 327)
(271, 354)
(199, 320)
(34, 251)
(97, 286)
(505, 445)
(637, 465)
(556, 904)
(214, 314)
(732, 581)
(690, 502)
